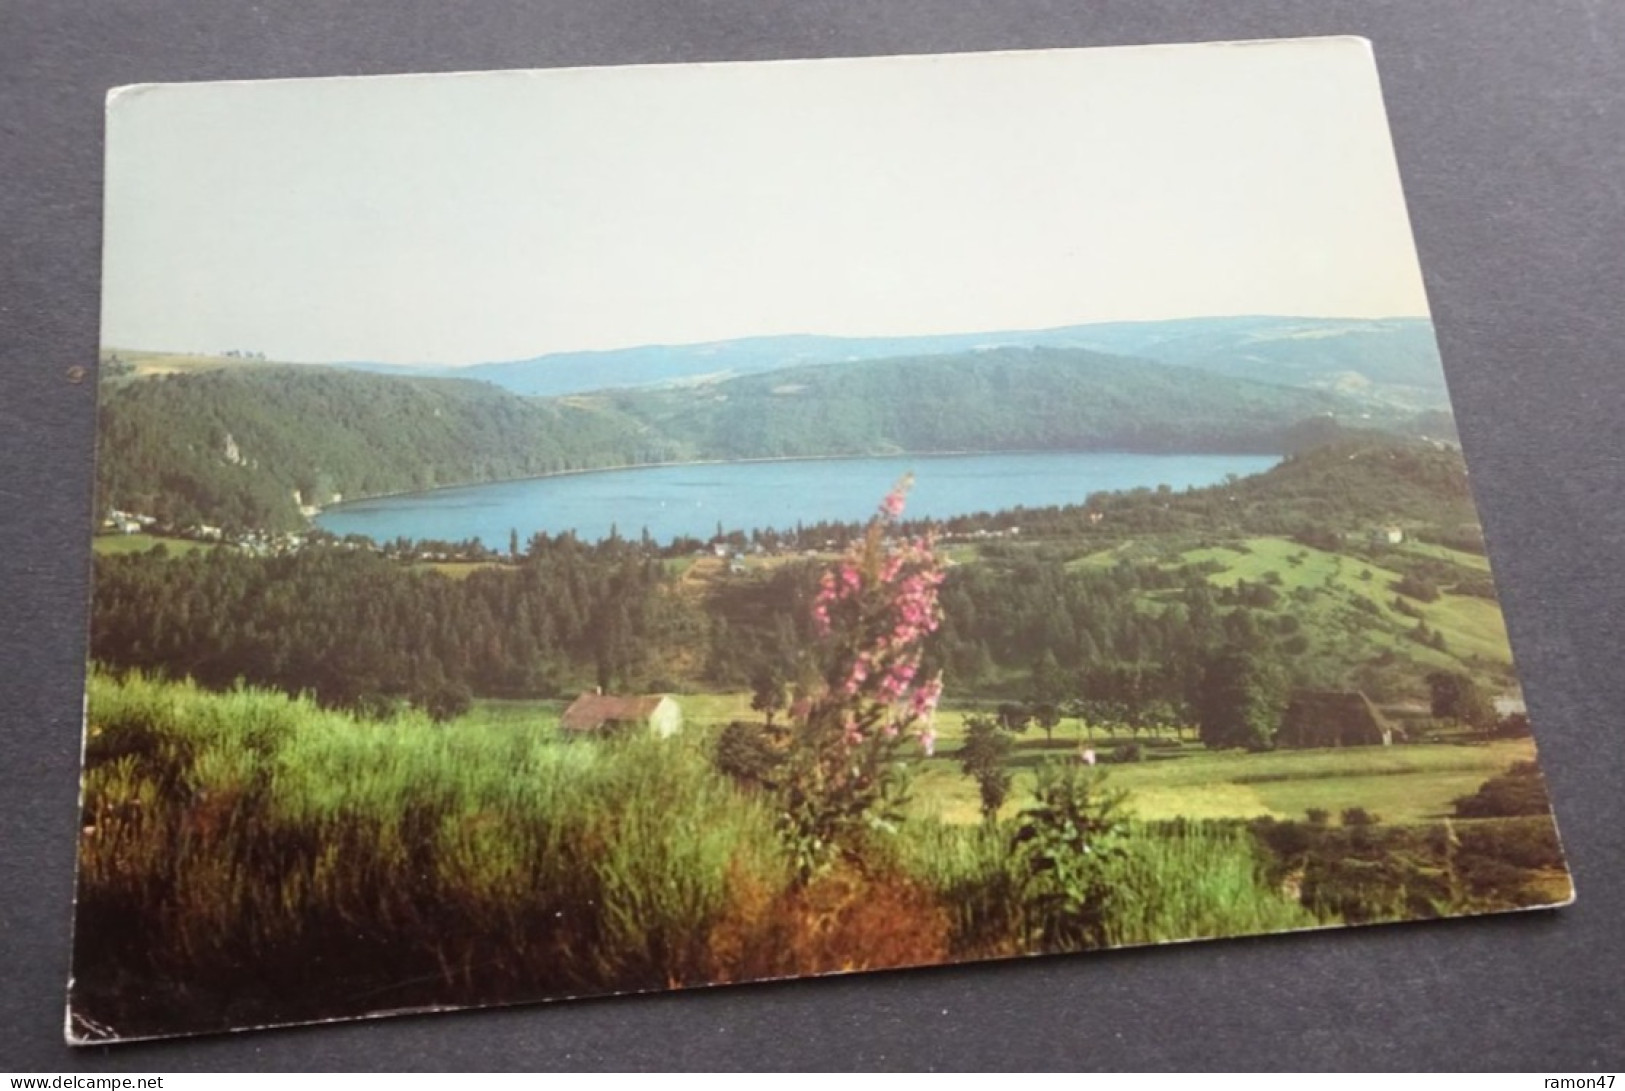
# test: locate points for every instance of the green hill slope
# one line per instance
(243, 447)
(1003, 399)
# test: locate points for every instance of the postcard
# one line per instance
(592, 531)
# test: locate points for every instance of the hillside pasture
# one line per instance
(1346, 601)
(1342, 597)
(142, 365)
(461, 570)
(1406, 784)
(112, 545)
(1403, 784)
(1458, 557)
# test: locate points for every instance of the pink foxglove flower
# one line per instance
(874, 608)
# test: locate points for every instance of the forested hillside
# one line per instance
(242, 447)
(1347, 481)
(246, 446)
(1136, 592)
(1004, 399)
(1281, 564)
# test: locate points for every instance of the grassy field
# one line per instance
(1476, 561)
(146, 364)
(531, 715)
(1347, 602)
(116, 544)
(1402, 784)
(1471, 626)
(1346, 597)
(458, 570)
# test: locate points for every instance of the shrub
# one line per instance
(1128, 752)
(1418, 588)
(1288, 841)
(1482, 587)
(1068, 842)
(982, 759)
(445, 702)
(1359, 816)
(1519, 791)
(1372, 873)
(1513, 726)
(1529, 842)
(745, 752)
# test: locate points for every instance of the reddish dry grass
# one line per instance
(843, 921)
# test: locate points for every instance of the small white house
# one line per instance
(598, 713)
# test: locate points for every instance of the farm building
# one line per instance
(1318, 718)
(600, 712)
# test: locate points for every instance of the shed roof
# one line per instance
(591, 711)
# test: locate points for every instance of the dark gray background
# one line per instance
(1509, 118)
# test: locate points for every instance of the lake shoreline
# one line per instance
(690, 499)
(769, 459)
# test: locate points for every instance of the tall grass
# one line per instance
(979, 880)
(271, 859)
(1174, 881)
(250, 858)
(1194, 880)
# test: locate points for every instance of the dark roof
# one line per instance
(591, 711)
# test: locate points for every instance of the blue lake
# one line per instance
(691, 500)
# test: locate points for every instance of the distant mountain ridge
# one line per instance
(1384, 361)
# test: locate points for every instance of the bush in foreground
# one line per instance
(1519, 791)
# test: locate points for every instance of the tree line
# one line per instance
(363, 631)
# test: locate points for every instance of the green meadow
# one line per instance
(114, 545)
(1178, 778)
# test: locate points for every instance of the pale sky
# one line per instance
(464, 218)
